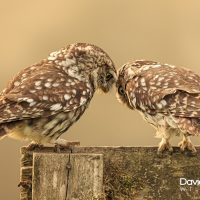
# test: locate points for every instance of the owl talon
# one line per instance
(58, 148)
(62, 144)
(186, 144)
(167, 151)
(34, 146)
(164, 146)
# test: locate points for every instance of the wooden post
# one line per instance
(132, 173)
(67, 177)
(62, 176)
(26, 175)
(50, 176)
(85, 177)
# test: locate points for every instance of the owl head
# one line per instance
(127, 72)
(96, 63)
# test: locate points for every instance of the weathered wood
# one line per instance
(67, 176)
(25, 183)
(138, 173)
(26, 176)
(85, 177)
(133, 173)
(50, 176)
(26, 169)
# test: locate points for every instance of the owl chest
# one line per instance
(61, 122)
(155, 120)
(45, 130)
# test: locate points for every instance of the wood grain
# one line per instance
(50, 176)
(85, 177)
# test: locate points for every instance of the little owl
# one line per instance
(45, 99)
(168, 97)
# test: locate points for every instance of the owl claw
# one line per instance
(34, 146)
(62, 144)
(163, 146)
(186, 144)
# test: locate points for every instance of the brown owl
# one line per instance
(45, 99)
(168, 97)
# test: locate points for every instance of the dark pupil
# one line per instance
(121, 90)
(109, 76)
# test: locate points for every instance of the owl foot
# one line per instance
(186, 144)
(62, 144)
(164, 146)
(34, 146)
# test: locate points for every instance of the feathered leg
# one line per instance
(165, 145)
(165, 134)
(186, 144)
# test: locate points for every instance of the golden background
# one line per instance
(165, 31)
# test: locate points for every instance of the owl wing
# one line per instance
(43, 95)
(167, 89)
(183, 104)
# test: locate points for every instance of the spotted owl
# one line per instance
(168, 97)
(45, 99)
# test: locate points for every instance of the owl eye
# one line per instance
(109, 76)
(121, 91)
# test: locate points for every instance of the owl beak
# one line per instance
(106, 86)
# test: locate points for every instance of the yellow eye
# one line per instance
(121, 91)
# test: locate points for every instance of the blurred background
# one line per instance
(165, 31)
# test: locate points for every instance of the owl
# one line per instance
(168, 97)
(45, 99)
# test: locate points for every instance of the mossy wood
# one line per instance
(124, 173)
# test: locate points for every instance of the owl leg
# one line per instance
(186, 144)
(164, 144)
